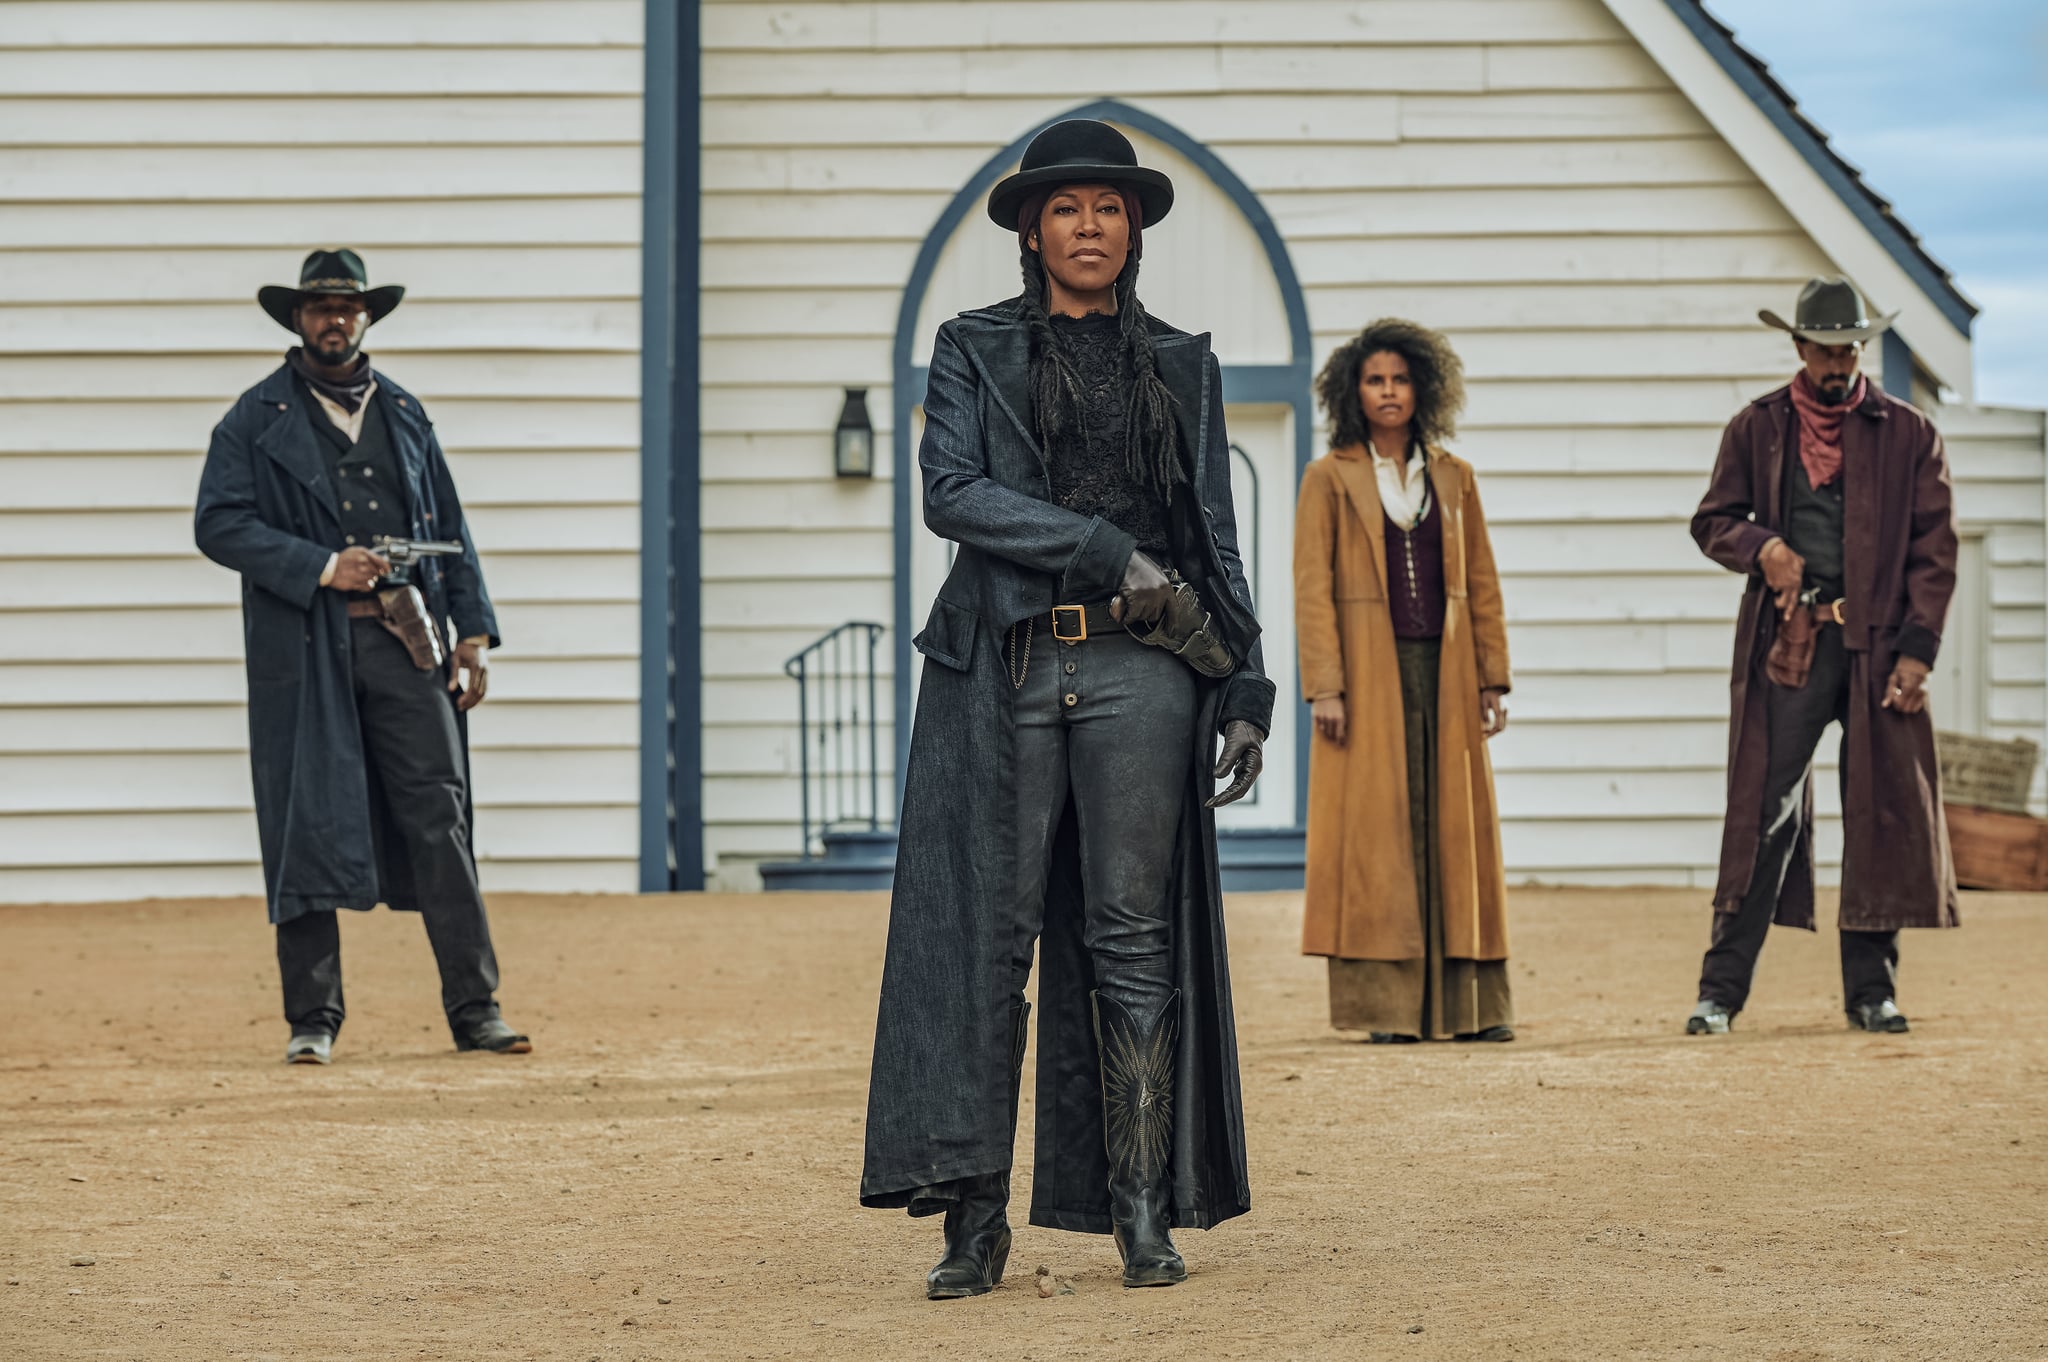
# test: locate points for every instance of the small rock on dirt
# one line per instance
(1415, 1328)
(83, 1260)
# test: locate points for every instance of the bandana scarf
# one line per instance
(348, 394)
(1820, 427)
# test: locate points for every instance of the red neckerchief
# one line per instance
(1820, 427)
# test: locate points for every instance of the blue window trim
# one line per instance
(1897, 364)
(1288, 383)
(671, 567)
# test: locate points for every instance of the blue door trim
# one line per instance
(1280, 383)
(671, 567)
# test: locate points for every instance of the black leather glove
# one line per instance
(1244, 751)
(1144, 593)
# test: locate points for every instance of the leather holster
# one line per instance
(405, 619)
(1184, 629)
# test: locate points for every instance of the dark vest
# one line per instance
(366, 476)
(1813, 525)
(1415, 574)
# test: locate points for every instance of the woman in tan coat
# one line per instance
(1404, 658)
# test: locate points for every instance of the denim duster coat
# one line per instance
(1899, 570)
(939, 1101)
(268, 510)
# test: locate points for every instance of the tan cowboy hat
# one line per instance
(1831, 312)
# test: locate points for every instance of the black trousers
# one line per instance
(1796, 720)
(1108, 725)
(410, 739)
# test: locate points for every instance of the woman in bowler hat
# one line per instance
(1060, 785)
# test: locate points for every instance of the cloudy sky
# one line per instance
(1944, 108)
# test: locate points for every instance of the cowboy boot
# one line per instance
(1137, 1124)
(978, 1224)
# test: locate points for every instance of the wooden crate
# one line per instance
(1982, 773)
(1997, 850)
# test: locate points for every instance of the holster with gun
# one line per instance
(1790, 660)
(404, 617)
(1186, 630)
(400, 607)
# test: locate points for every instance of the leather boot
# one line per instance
(1137, 1122)
(978, 1224)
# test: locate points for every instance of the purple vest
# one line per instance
(1415, 575)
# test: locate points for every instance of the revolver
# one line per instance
(404, 553)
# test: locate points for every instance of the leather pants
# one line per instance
(1106, 723)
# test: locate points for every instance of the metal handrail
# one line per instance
(834, 663)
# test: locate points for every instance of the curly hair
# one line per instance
(1434, 367)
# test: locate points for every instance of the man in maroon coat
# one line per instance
(1833, 498)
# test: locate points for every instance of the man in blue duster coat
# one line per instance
(357, 733)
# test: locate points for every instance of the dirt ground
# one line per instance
(672, 1173)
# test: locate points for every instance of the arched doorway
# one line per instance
(1225, 270)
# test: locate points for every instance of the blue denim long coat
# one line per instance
(939, 1105)
(268, 510)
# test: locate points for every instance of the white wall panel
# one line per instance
(157, 164)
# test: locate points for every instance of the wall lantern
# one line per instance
(853, 443)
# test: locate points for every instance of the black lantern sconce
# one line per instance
(853, 442)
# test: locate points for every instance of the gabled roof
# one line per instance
(1854, 227)
(1753, 75)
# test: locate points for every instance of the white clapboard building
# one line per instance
(650, 248)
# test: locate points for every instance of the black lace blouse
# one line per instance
(1088, 470)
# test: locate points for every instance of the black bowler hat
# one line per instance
(329, 272)
(1831, 312)
(1080, 151)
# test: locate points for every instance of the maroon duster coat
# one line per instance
(1899, 569)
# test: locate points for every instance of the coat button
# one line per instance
(1071, 700)
(282, 407)
(1070, 669)
(369, 472)
(373, 505)
(350, 538)
(348, 505)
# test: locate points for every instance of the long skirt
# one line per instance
(1433, 998)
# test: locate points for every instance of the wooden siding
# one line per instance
(1517, 172)
(157, 163)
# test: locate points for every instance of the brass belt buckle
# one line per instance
(1080, 614)
(1837, 610)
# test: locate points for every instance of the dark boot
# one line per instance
(978, 1223)
(1137, 1123)
(977, 1240)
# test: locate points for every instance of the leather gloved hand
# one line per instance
(1144, 593)
(1244, 751)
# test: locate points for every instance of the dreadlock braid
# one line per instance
(1149, 450)
(1149, 430)
(1055, 385)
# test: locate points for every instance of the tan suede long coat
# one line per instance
(1361, 868)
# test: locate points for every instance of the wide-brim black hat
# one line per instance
(1080, 151)
(1831, 312)
(329, 272)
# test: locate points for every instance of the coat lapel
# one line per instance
(1362, 490)
(1863, 483)
(409, 429)
(289, 443)
(1447, 487)
(1002, 354)
(1784, 440)
(1183, 366)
